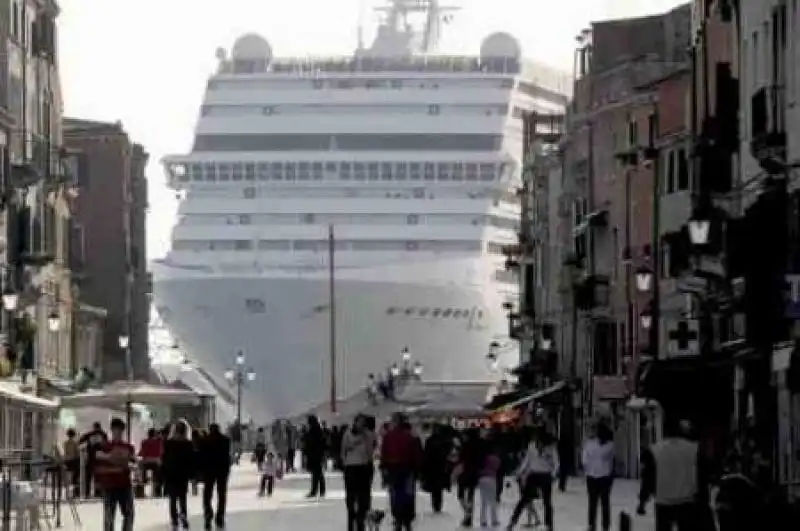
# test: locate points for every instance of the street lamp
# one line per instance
(406, 355)
(546, 343)
(644, 279)
(53, 321)
(239, 375)
(10, 301)
(646, 319)
(418, 368)
(394, 370)
(124, 341)
(699, 229)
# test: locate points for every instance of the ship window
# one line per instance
(444, 172)
(255, 306)
(269, 111)
(397, 83)
(436, 312)
(487, 172)
(224, 172)
(447, 312)
(458, 171)
(472, 172)
(244, 219)
(331, 167)
(263, 171)
(249, 192)
(412, 246)
(419, 193)
(402, 169)
(291, 171)
(456, 314)
(274, 245)
(409, 311)
(423, 312)
(412, 219)
(433, 109)
(250, 172)
(430, 171)
(308, 218)
(386, 171)
(242, 245)
(391, 311)
(238, 172)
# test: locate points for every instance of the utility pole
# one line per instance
(332, 312)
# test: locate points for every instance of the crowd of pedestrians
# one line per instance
(171, 459)
(478, 464)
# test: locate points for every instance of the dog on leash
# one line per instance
(374, 519)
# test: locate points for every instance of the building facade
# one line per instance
(767, 44)
(36, 202)
(109, 229)
(604, 214)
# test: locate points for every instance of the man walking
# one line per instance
(215, 459)
(677, 484)
(113, 474)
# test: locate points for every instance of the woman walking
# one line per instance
(178, 469)
(358, 451)
(538, 470)
(598, 465)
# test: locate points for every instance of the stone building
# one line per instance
(36, 201)
(608, 190)
(110, 230)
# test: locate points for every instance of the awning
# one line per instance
(117, 394)
(12, 392)
(528, 397)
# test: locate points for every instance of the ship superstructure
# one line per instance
(410, 158)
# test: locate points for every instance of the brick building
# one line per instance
(623, 68)
(109, 230)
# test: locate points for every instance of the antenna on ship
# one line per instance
(397, 19)
(360, 45)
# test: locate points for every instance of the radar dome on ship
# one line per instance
(251, 52)
(499, 45)
(501, 53)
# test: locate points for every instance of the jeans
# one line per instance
(487, 488)
(210, 481)
(599, 490)
(317, 479)
(177, 493)
(112, 498)
(267, 485)
(358, 495)
(535, 484)
(437, 498)
(402, 498)
(152, 470)
(466, 496)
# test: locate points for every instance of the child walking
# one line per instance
(487, 488)
(270, 470)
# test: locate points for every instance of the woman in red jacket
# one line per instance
(401, 458)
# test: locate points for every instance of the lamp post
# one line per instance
(239, 376)
(124, 342)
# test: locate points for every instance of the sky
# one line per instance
(146, 62)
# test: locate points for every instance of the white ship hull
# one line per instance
(288, 344)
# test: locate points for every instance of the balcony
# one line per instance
(768, 133)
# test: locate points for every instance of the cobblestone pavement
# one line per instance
(288, 510)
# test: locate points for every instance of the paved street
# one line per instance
(289, 510)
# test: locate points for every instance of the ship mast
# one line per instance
(398, 11)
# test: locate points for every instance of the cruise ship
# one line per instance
(337, 212)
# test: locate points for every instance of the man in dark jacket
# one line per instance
(215, 460)
(314, 448)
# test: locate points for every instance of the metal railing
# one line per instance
(31, 491)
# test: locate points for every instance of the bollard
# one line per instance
(625, 521)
